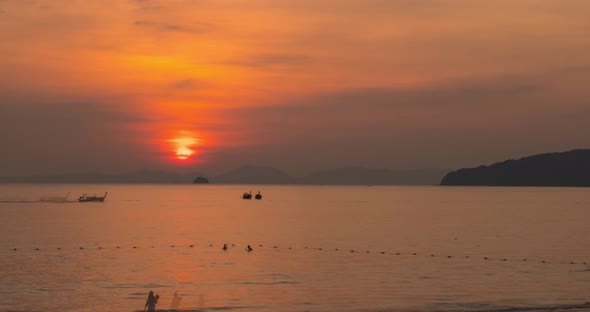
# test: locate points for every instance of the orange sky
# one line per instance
(259, 80)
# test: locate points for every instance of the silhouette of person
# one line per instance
(224, 247)
(151, 301)
(249, 248)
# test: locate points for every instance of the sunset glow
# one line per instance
(446, 129)
(184, 146)
(184, 153)
(299, 85)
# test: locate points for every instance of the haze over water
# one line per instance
(467, 224)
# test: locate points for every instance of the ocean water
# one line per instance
(315, 248)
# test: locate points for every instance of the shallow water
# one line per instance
(450, 230)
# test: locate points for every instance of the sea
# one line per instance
(313, 248)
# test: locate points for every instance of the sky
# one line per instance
(122, 85)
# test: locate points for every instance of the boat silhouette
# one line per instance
(94, 198)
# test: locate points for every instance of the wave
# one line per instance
(19, 201)
(581, 307)
(55, 201)
(222, 308)
(541, 308)
(268, 283)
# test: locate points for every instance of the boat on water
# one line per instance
(258, 196)
(93, 198)
(247, 195)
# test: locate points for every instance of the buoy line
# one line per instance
(248, 248)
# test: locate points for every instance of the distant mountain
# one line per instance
(201, 180)
(146, 176)
(554, 169)
(365, 176)
(254, 175)
(342, 176)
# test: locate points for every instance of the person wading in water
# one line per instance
(150, 304)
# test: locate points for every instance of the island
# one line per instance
(201, 180)
(570, 168)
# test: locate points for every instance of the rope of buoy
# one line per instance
(277, 247)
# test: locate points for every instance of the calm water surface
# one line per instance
(450, 230)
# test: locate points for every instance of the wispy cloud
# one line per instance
(201, 28)
(147, 5)
(69, 135)
(271, 59)
(186, 84)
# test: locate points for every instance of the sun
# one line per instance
(184, 152)
(184, 145)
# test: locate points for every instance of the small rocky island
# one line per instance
(201, 180)
(570, 168)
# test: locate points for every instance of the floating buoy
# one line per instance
(249, 249)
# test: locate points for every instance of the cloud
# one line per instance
(457, 123)
(458, 96)
(68, 136)
(271, 59)
(172, 27)
(147, 5)
(186, 84)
